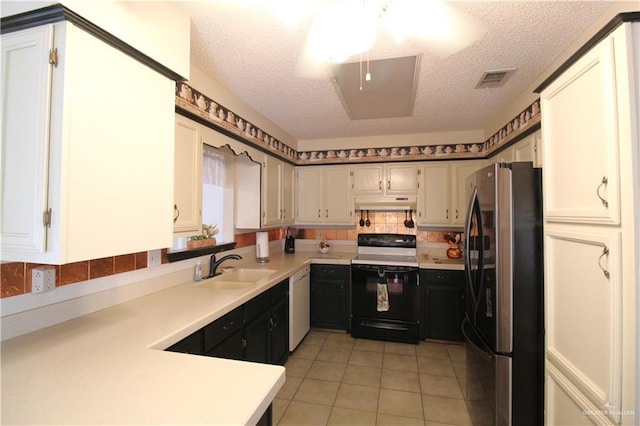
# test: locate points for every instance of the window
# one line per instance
(217, 191)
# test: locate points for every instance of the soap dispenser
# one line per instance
(197, 275)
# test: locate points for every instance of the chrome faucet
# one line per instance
(213, 263)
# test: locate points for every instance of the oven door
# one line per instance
(402, 289)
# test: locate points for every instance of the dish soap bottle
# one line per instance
(197, 276)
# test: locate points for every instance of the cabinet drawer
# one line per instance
(443, 277)
(329, 272)
(222, 328)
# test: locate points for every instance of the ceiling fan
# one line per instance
(345, 30)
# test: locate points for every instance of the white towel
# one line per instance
(383, 295)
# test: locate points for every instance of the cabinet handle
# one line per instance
(319, 213)
(177, 213)
(326, 213)
(379, 184)
(228, 326)
(605, 252)
(456, 213)
(604, 181)
(388, 184)
(284, 213)
(446, 214)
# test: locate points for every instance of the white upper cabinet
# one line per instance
(100, 160)
(26, 88)
(287, 205)
(434, 202)
(385, 179)
(187, 196)
(277, 192)
(442, 200)
(323, 195)
(526, 149)
(579, 115)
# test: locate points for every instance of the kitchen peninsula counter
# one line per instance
(110, 366)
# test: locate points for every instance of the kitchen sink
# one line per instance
(236, 280)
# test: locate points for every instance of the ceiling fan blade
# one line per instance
(440, 28)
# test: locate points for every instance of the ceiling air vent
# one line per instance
(494, 78)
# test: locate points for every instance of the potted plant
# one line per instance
(207, 238)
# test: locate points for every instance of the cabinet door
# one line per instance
(280, 332)
(187, 194)
(330, 300)
(579, 119)
(271, 191)
(308, 196)
(287, 207)
(367, 180)
(461, 170)
(402, 179)
(433, 208)
(26, 94)
(583, 292)
(443, 312)
(257, 338)
(337, 198)
(524, 149)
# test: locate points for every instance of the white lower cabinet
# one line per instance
(323, 196)
(584, 311)
(88, 144)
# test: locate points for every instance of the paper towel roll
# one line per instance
(262, 245)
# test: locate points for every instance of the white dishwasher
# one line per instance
(299, 306)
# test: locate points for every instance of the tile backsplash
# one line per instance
(16, 276)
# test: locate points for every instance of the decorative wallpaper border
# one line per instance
(208, 109)
(199, 104)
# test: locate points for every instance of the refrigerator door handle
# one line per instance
(504, 252)
(467, 249)
(504, 400)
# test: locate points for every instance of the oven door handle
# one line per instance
(384, 325)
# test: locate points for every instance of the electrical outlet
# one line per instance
(43, 278)
(154, 257)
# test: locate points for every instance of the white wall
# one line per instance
(200, 81)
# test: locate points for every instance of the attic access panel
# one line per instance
(390, 92)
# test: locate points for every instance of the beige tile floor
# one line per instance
(334, 379)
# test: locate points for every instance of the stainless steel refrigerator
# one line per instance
(504, 305)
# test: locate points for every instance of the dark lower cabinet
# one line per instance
(280, 329)
(257, 331)
(442, 304)
(223, 337)
(266, 329)
(330, 293)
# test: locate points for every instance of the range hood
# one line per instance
(385, 203)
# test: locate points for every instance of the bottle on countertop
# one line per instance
(197, 276)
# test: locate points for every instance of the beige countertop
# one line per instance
(436, 258)
(110, 367)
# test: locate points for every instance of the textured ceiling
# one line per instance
(243, 45)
